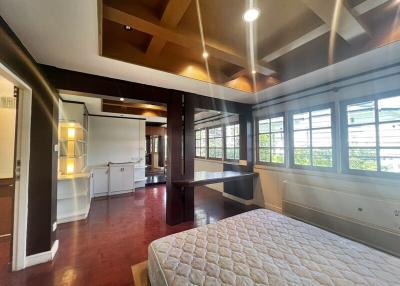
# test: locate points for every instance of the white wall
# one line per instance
(7, 131)
(210, 166)
(367, 200)
(114, 140)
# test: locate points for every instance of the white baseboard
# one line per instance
(239, 200)
(42, 257)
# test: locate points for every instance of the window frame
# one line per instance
(223, 143)
(195, 146)
(345, 143)
(285, 145)
(291, 130)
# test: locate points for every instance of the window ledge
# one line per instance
(353, 178)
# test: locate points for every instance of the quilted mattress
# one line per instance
(262, 247)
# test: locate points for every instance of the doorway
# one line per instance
(8, 125)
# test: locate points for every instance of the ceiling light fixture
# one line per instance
(251, 15)
(128, 28)
(205, 55)
(122, 99)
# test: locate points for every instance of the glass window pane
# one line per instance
(211, 153)
(321, 118)
(198, 134)
(263, 126)
(389, 109)
(277, 124)
(218, 132)
(237, 141)
(277, 140)
(203, 142)
(218, 142)
(322, 138)
(302, 157)
(211, 143)
(361, 113)
(237, 153)
(278, 155)
(203, 152)
(203, 133)
(230, 130)
(264, 155)
(390, 160)
(301, 121)
(263, 140)
(362, 159)
(197, 152)
(237, 129)
(322, 158)
(362, 136)
(389, 134)
(230, 142)
(302, 138)
(211, 132)
(218, 153)
(230, 153)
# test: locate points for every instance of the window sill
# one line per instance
(333, 175)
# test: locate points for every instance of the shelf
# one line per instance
(73, 157)
(73, 176)
(70, 196)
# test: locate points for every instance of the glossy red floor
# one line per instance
(101, 250)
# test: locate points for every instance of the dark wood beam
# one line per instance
(121, 109)
(194, 43)
(173, 13)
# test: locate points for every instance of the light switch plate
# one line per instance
(56, 148)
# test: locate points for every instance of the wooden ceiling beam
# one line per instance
(173, 13)
(178, 38)
(347, 25)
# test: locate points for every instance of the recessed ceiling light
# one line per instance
(253, 71)
(251, 15)
(205, 55)
(122, 99)
(128, 28)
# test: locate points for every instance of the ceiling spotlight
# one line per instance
(128, 28)
(251, 15)
(122, 99)
(253, 71)
(205, 55)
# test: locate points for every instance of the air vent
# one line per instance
(8, 102)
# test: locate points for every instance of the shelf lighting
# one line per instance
(71, 133)
(70, 166)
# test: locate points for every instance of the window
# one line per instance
(372, 128)
(271, 140)
(215, 143)
(232, 149)
(201, 147)
(311, 139)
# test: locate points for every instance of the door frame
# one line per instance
(22, 153)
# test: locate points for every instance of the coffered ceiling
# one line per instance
(290, 38)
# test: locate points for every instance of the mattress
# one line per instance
(262, 247)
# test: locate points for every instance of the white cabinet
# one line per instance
(100, 181)
(121, 178)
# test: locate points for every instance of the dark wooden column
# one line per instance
(174, 148)
(180, 129)
(189, 153)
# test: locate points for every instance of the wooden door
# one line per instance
(8, 166)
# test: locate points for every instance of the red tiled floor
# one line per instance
(101, 249)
